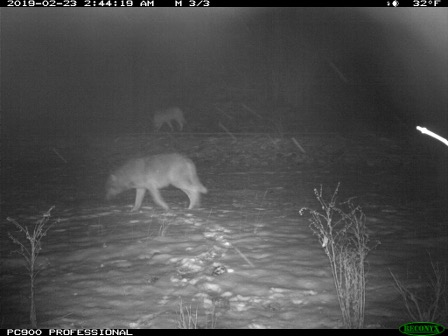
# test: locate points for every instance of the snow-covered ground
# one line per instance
(245, 259)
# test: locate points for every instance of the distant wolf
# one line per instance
(153, 173)
(166, 116)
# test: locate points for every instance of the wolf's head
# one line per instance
(113, 187)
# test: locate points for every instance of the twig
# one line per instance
(243, 256)
(340, 74)
(60, 156)
(251, 111)
(227, 131)
(30, 254)
(298, 145)
(223, 112)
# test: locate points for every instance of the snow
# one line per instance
(246, 259)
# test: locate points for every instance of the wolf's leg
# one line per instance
(155, 193)
(194, 197)
(180, 122)
(140, 193)
(170, 124)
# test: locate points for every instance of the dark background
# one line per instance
(100, 70)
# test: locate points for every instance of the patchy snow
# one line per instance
(246, 259)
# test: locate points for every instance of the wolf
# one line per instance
(153, 173)
(166, 116)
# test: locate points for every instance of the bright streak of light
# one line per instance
(424, 130)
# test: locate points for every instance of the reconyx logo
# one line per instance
(421, 328)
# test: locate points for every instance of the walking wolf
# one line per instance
(153, 173)
(167, 116)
